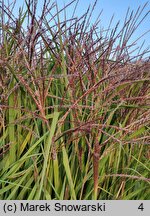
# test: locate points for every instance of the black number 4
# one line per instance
(141, 207)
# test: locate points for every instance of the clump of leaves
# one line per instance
(74, 105)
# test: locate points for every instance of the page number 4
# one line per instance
(141, 207)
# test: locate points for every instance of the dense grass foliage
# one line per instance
(74, 106)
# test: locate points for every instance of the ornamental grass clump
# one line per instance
(74, 105)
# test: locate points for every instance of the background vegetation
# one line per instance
(74, 106)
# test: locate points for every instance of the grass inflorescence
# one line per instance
(74, 105)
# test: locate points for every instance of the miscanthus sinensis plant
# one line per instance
(74, 105)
